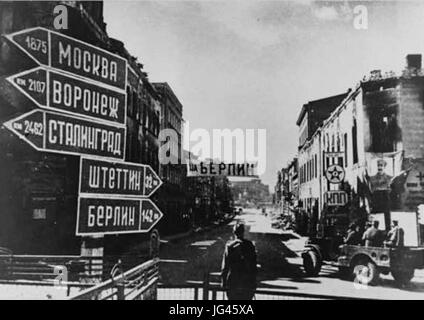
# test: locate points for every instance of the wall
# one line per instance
(412, 116)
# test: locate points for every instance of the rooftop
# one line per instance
(329, 103)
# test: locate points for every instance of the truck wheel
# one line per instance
(403, 276)
(365, 272)
(311, 263)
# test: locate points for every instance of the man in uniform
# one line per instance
(239, 267)
(395, 235)
(353, 237)
(373, 236)
(381, 180)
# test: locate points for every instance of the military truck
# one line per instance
(360, 263)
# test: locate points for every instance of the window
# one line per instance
(134, 109)
(345, 148)
(309, 171)
(312, 168)
(129, 102)
(354, 142)
(316, 166)
(383, 128)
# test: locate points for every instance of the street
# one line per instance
(185, 261)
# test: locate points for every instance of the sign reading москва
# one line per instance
(61, 52)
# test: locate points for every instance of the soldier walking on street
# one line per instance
(239, 267)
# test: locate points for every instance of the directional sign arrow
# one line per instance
(56, 50)
(53, 132)
(152, 182)
(51, 90)
(99, 215)
(117, 178)
(34, 42)
(30, 127)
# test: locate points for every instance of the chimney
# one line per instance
(413, 61)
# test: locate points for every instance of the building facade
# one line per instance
(171, 195)
(375, 137)
(293, 180)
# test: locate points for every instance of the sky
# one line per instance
(253, 64)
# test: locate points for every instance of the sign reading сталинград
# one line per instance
(100, 215)
(54, 132)
(50, 89)
(55, 50)
(117, 178)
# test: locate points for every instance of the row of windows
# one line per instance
(174, 121)
(309, 170)
(142, 151)
(172, 174)
(309, 203)
(141, 109)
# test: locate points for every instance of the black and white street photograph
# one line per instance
(210, 150)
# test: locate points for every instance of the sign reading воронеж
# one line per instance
(53, 132)
(59, 92)
(222, 169)
(100, 215)
(117, 178)
(59, 51)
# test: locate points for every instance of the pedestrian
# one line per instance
(372, 236)
(395, 235)
(353, 237)
(239, 267)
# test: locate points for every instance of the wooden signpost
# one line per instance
(81, 90)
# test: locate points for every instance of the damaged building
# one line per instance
(375, 134)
